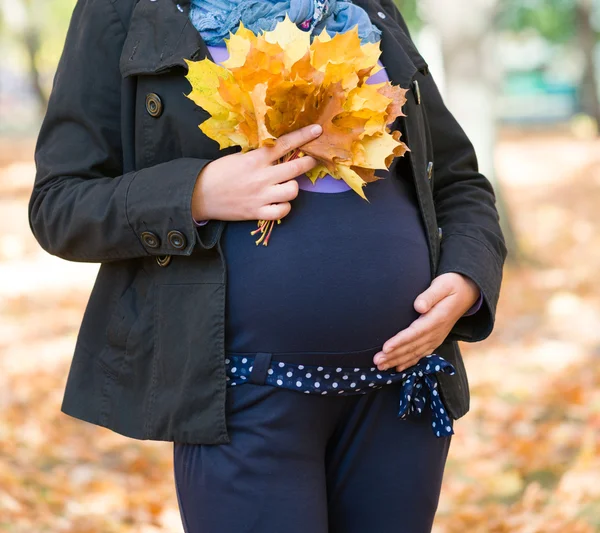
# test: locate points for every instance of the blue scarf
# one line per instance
(214, 19)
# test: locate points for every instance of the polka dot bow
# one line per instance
(420, 382)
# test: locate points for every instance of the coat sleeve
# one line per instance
(472, 241)
(83, 207)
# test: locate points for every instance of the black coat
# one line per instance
(117, 158)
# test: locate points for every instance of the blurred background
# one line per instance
(521, 76)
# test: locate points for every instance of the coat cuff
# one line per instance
(469, 256)
(159, 208)
(208, 232)
(476, 306)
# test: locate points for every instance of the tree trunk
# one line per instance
(472, 77)
(30, 36)
(587, 40)
(31, 40)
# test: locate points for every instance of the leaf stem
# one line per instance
(265, 227)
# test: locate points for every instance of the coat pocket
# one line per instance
(125, 314)
(127, 309)
(188, 374)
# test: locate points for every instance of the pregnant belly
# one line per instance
(339, 274)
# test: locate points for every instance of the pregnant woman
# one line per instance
(278, 372)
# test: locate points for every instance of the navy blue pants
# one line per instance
(299, 463)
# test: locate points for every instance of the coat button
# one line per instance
(154, 105)
(150, 239)
(381, 14)
(163, 260)
(177, 239)
(417, 91)
(429, 170)
(440, 233)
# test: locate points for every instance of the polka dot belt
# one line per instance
(419, 382)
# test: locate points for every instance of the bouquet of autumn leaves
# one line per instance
(278, 81)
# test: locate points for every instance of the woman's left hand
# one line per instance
(447, 299)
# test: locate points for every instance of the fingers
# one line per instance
(282, 188)
(438, 315)
(403, 364)
(278, 198)
(409, 336)
(290, 141)
(401, 361)
(274, 211)
(436, 292)
(405, 355)
(420, 338)
(289, 170)
(403, 352)
(282, 192)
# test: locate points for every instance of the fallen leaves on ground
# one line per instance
(525, 459)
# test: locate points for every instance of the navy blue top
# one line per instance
(339, 277)
(339, 274)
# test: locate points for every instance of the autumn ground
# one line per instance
(526, 459)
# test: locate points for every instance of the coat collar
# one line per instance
(161, 36)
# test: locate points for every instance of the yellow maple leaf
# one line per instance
(376, 149)
(279, 81)
(258, 96)
(293, 43)
(204, 77)
(238, 45)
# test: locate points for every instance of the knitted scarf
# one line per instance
(215, 19)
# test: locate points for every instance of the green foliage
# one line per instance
(552, 19)
(52, 20)
(47, 21)
(410, 12)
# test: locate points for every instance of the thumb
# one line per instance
(430, 297)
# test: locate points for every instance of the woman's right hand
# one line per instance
(250, 185)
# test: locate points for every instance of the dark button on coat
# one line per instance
(154, 105)
(150, 239)
(177, 239)
(117, 159)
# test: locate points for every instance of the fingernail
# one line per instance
(379, 358)
(316, 129)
